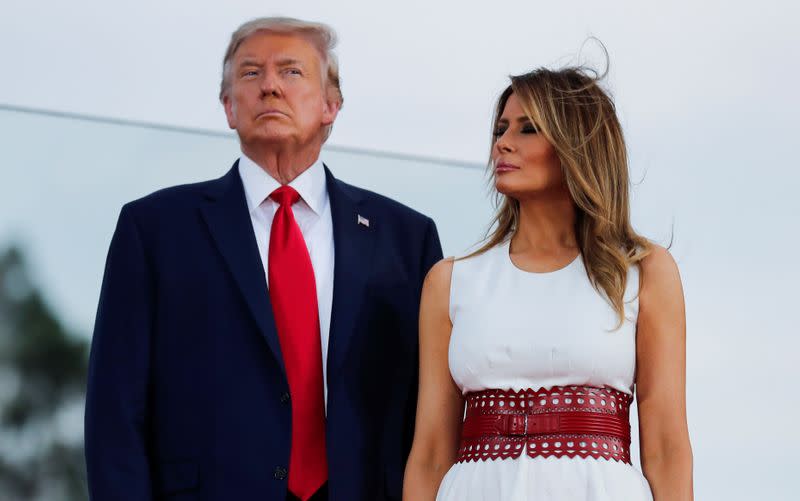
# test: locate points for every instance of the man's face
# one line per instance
(276, 94)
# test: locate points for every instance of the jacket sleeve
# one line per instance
(432, 252)
(116, 418)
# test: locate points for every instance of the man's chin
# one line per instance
(274, 137)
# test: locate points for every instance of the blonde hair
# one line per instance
(320, 35)
(579, 120)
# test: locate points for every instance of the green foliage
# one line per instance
(44, 369)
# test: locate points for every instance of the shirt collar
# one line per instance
(258, 184)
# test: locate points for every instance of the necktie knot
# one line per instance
(285, 195)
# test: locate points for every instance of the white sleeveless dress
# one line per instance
(514, 330)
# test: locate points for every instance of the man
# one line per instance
(256, 336)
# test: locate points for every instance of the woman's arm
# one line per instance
(440, 406)
(661, 379)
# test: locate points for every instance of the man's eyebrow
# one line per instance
(281, 62)
(289, 61)
(249, 61)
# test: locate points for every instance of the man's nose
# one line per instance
(270, 84)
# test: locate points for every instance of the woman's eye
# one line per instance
(498, 132)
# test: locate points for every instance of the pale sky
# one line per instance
(706, 92)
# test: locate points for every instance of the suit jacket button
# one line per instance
(280, 473)
(285, 398)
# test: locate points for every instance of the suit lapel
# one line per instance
(354, 242)
(229, 223)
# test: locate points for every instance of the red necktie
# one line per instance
(293, 293)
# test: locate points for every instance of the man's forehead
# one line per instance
(277, 47)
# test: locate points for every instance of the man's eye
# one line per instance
(294, 71)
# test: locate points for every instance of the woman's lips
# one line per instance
(505, 167)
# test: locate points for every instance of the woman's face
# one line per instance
(525, 163)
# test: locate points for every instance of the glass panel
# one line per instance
(65, 180)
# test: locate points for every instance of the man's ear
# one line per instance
(330, 110)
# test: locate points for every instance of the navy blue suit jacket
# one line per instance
(187, 396)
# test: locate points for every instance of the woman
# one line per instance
(530, 347)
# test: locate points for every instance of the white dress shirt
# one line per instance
(313, 214)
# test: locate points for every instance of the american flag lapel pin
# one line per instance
(362, 220)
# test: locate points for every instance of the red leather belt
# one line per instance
(570, 421)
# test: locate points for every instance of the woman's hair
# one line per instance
(579, 119)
